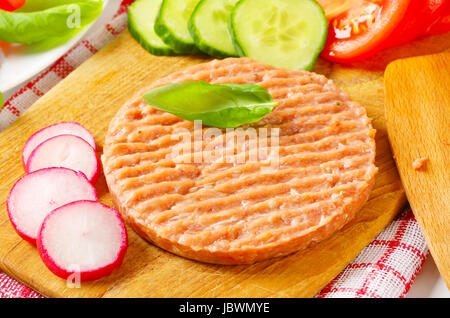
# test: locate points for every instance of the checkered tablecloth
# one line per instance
(385, 268)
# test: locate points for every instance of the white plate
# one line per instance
(20, 64)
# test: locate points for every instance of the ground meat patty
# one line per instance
(242, 213)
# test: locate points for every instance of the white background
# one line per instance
(428, 283)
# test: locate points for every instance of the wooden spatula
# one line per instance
(418, 119)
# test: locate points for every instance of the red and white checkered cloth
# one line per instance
(385, 268)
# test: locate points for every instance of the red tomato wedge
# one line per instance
(361, 27)
(442, 24)
(418, 19)
(11, 5)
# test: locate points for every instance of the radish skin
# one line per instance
(84, 234)
(36, 194)
(67, 151)
(64, 128)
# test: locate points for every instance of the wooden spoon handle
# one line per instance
(418, 119)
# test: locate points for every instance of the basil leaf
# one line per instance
(32, 27)
(216, 105)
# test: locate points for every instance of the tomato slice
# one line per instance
(11, 5)
(441, 26)
(418, 19)
(442, 23)
(362, 27)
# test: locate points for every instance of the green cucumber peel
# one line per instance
(141, 20)
(288, 34)
(209, 28)
(179, 40)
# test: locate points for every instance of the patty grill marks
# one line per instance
(243, 212)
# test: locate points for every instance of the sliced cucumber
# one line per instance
(283, 33)
(172, 25)
(209, 27)
(141, 20)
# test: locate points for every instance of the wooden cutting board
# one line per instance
(91, 95)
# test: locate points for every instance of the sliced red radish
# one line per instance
(85, 238)
(36, 194)
(66, 151)
(56, 130)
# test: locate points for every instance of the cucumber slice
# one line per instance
(284, 33)
(172, 25)
(209, 27)
(141, 20)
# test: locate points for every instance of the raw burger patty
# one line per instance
(239, 214)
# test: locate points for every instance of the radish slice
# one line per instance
(83, 237)
(66, 151)
(37, 194)
(56, 130)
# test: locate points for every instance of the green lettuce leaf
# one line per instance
(1, 101)
(222, 106)
(38, 5)
(36, 26)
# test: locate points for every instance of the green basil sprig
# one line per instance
(31, 27)
(216, 105)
